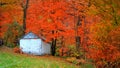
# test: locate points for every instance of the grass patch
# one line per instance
(8, 59)
(11, 60)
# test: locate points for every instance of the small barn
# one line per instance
(32, 44)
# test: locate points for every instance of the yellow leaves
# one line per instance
(49, 20)
(7, 1)
(92, 10)
(72, 59)
(10, 4)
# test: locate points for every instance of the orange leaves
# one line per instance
(108, 54)
(63, 51)
(9, 12)
(43, 17)
(103, 37)
(16, 50)
(103, 43)
(115, 36)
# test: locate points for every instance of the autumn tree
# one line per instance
(47, 20)
(102, 50)
(9, 11)
(53, 21)
(15, 13)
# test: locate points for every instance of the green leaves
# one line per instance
(13, 33)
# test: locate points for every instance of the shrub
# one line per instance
(63, 51)
(74, 53)
(14, 31)
(57, 51)
(17, 50)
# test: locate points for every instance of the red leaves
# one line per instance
(17, 50)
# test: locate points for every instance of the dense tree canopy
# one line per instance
(92, 26)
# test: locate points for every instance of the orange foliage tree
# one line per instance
(9, 11)
(104, 34)
(47, 19)
(53, 21)
(50, 20)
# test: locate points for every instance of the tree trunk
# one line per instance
(24, 15)
(53, 47)
(78, 39)
(0, 31)
(77, 22)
